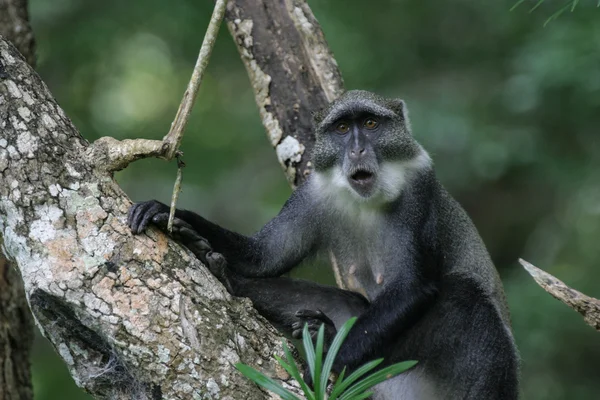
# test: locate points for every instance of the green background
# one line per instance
(508, 109)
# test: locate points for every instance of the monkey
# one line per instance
(430, 291)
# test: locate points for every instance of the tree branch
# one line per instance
(173, 138)
(584, 305)
(14, 25)
(132, 316)
(292, 71)
(16, 329)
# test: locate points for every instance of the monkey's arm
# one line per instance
(279, 246)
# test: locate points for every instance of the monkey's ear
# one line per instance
(399, 107)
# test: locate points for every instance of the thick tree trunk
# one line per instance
(14, 26)
(139, 316)
(16, 336)
(132, 316)
(16, 325)
(292, 71)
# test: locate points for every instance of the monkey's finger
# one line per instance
(188, 234)
(130, 213)
(309, 313)
(315, 314)
(142, 214)
(297, 334)
(147, 216)
(161, 220)
(136, 213)
(217, 264)
(179, 224)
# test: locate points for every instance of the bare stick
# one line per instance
(584, 305)
(173, 138)
(112, 155)
(175, 196)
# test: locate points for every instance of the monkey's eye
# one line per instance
(342, 128)
(371, 123)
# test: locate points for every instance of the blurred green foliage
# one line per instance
(509, 110)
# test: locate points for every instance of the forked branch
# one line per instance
(110, 155)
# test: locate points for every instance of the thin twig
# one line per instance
(112, 155)
(173, 138)
(176, 190)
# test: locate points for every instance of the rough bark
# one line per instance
(587, 306)
(14, 25)
(132, 316)
(293, 74)
(16, 325)
(292, 71)
(16, 336)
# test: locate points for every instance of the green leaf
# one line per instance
(295, 373)
(338, 382)
(556, 14)
(265, 382)
(362, 396)
(319, 383)
(354, 376)
(309, 350)
(517, 4)
(575, 2)
(376, 378)
(336, 344)
(539, 3)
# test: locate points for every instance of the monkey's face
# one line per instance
(363, 146)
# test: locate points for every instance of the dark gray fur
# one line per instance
(431, 292)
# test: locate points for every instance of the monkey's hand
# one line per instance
(142, 214)
(314, 319)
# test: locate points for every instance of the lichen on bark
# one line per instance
(132, 316)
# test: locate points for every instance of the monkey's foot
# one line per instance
(314, 319)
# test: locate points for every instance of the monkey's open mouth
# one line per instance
(362, 177)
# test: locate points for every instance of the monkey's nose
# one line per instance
(357, 153)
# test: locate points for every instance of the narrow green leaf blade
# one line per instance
(336, 344)
(295, 372)
(355, 375)
(539, 3)
(319, 383)
(376, 378)
(338, 382)
(517, 4)
(362, 396)
(265, 382)
(575, 2)
(308, 393)
(309, 350)
(556, 14)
